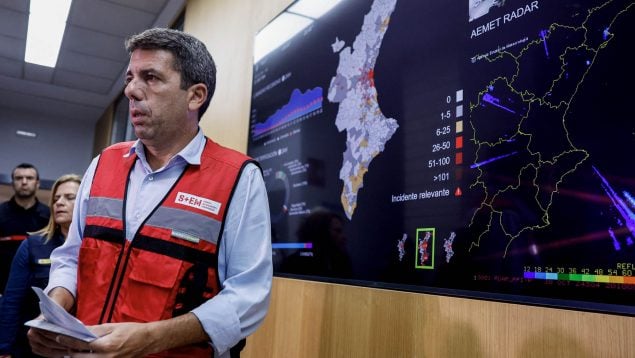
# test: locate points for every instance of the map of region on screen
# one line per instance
(469, 148)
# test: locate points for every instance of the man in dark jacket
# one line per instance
(21, 214)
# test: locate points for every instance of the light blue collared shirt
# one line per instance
(244, 256)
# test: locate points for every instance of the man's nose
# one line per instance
(133, 90)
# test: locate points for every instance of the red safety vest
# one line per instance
(13, 238)
(171, 265)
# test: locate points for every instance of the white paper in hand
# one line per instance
(56, 319)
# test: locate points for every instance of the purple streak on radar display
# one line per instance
(543, 33)
(476, 165)
(495, 101)
(299, 104)
(616, 244)
(622, 207)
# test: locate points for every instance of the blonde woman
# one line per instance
(31, 266)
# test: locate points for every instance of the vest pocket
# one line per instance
(150, 287)
(94, 275)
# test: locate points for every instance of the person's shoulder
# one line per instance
(114, 151)
(38, 241)
(214, 146)
(5, 209)
(218, 152)
(35, 238)
(127, 144)
(43, 208)
(119, 146)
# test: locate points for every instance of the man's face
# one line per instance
(158, 105)
(25, 182)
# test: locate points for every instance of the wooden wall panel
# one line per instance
(312, 319)
(103, 131)
(228, 29)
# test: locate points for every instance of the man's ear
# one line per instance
(196, 96)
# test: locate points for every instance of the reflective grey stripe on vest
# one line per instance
(184, 224)
(105, 207)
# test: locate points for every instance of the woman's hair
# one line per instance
(50, 229)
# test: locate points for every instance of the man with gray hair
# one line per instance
(169, 252)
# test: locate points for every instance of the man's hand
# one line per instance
(47, 344)
(115, 340)
(122, 339)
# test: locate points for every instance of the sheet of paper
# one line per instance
(56, 319)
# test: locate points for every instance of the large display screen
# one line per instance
(469, 148)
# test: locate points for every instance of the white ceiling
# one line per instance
(92, 61)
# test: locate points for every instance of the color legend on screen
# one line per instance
(626, 280)
(292, 245)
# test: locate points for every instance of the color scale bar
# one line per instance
(292, 245)
(626, 280)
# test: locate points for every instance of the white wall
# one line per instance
(61, 146)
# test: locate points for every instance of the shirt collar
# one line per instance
(191, 154)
